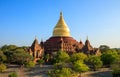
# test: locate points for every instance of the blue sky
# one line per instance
(22, 20)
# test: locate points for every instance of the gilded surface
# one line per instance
(61, 28)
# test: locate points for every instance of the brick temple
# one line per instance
(61, 40)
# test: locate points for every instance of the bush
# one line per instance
(64, 72)
(13, 74)
(2, 67)
(41, 61)
(29, 64)
(78, 56)
(95, 62)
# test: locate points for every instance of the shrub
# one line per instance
(2, 67)
(13, 74)
(41, 61)
(29, 64)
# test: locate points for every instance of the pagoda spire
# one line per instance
(61, 28)
(35, 37)
(87, 41)
(60, 13)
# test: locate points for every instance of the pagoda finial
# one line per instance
(87, 38)
(60, 13)
(35, 37)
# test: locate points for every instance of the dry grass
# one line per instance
(42, 72)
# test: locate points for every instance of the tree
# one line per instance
(2, 57)
(8, 48)
(21, 56)
(16, 54)
(116, 67)
(2, 67)
(109, 57)
(29, 64)
(62, 57)
(95, 62)
(9, 55)
(104, 48)
(78, 56)
(80, 67)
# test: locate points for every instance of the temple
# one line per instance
(61, 40)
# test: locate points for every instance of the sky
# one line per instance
(23, 20)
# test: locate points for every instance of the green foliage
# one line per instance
(47, 57)
(29, 64)
(18, 56)
(13, 74)
(8, 48)
(104, 48)
(117, 50)
(80, 67)
(109, 57)
(21, 56)
(60, 65)
(116, 68)
(78, 56)
(41, 61)
(9, 56)
(62, 57)
(95, 62)
(2, 57)
(64, 72)
(2, 67)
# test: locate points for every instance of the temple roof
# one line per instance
(61, 28)
(35, 42)
(35, 45)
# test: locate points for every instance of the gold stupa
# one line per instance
(61, 28)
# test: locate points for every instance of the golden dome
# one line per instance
(61, 28)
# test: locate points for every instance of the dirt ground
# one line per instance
(38, 71)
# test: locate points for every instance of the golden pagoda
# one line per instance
(61, 28)
(61, 38)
